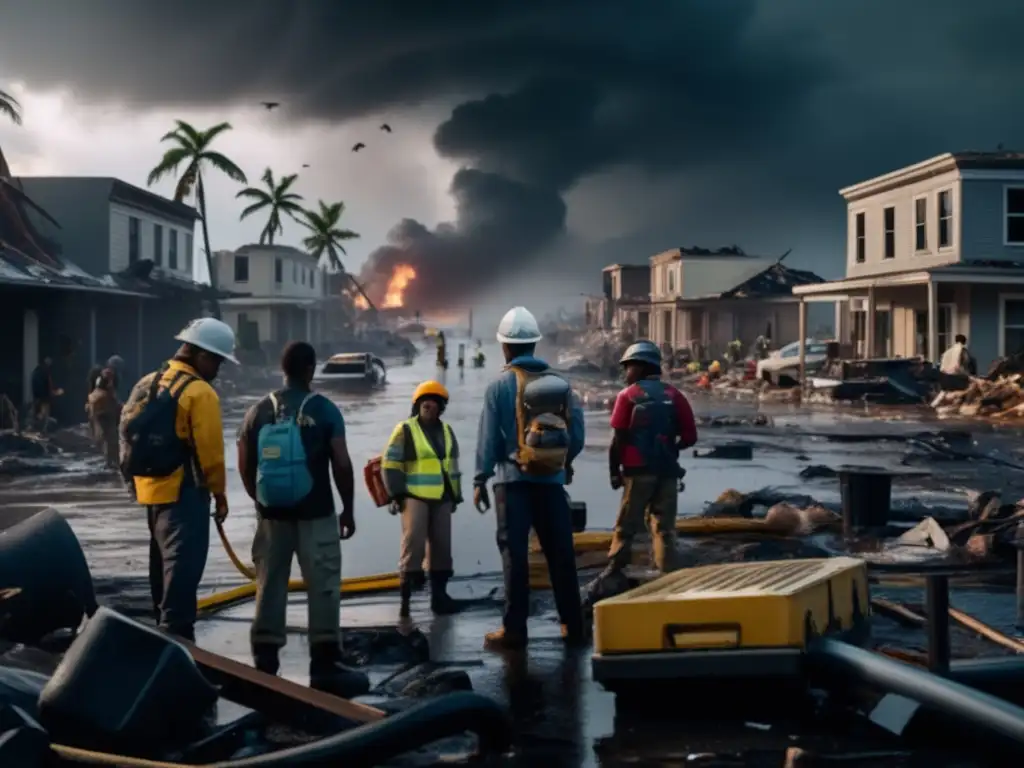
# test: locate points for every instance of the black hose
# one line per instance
(843, 663)
(375, 743)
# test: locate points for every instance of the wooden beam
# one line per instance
(277, 697)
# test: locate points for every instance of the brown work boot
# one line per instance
(499, 640)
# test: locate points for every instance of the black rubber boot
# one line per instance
(406, 595)
(264, 658)
(441, 602)
(328, 674)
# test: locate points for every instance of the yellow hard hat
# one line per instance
(715, 367)
(430, 388)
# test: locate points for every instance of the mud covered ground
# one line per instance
(558, 712)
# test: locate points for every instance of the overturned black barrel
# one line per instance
(45, 580)
(866, 495)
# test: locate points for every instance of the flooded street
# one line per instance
(114, 534)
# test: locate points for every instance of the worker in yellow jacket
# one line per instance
(421, 473)
(172, 456)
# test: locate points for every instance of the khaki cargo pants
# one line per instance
(318, 548)
(652, 501)
(426, 537)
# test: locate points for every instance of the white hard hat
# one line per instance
(213, 335)
(519, 326)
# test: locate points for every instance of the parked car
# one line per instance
(786, 361)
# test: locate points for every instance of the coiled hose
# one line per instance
(366, 745)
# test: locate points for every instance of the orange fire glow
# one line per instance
(394, 297)
(361, 302)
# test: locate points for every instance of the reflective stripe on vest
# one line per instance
(424, 477)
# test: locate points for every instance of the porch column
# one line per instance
(934, 353)
(309, 325)
(92, 334)
(869, 325)
(802, 328)
(29, 352)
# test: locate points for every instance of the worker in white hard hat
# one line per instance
(172, 455)
(530, 431)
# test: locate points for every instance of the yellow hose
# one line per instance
(88, 757)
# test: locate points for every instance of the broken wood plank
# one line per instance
(280, 699)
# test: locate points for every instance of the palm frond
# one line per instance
(10, 108)
(169, 163)
(255, 193)
(225, 166)
(254, 208)
(210, 134)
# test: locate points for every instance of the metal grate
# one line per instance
(775, 578)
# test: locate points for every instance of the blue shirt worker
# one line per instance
(421, 473)
(290, 446)
(531, 430)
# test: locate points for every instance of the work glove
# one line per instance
(616, 481)
(481, 499)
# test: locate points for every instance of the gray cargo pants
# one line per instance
(317, 545)
(179, 542)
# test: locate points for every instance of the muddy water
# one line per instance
(114, 533)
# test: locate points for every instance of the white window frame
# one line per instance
(885, 233)
(952, 220)
(1003, 298)
(927, 239)
(1006, 216)
(858, 239)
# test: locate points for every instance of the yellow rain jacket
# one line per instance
(411, 466)
(198, 422)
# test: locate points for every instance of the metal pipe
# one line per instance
(840, 664)
(936, 593)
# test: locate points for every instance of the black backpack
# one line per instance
(151, 446)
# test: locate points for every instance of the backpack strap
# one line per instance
(275, 405)
(302, 405)
(521, 382)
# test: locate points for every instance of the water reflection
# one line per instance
(545, 697)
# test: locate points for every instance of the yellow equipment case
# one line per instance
(737, 620)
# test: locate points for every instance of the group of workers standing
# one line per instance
(291, 448)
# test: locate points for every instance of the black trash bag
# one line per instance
(127, 687)
(21, 688)
(23, 742)
(45, 577)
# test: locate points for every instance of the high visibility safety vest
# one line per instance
(424, 475)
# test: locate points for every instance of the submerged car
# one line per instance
(359, 370)
(785, 362)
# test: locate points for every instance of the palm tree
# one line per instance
(192, 148)
(11, 109)
(277, 198)
(326, 238)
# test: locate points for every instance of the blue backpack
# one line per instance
(283, 478)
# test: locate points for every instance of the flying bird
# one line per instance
(386, 128)
(358, 146)
(305, 165)
(270, 104)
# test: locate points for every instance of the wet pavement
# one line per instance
(558, 711)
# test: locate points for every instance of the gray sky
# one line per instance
(553, 136)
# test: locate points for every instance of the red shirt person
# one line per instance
(652, 422)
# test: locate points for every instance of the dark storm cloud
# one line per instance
(771, 105)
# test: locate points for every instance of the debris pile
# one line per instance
(1001, 398)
